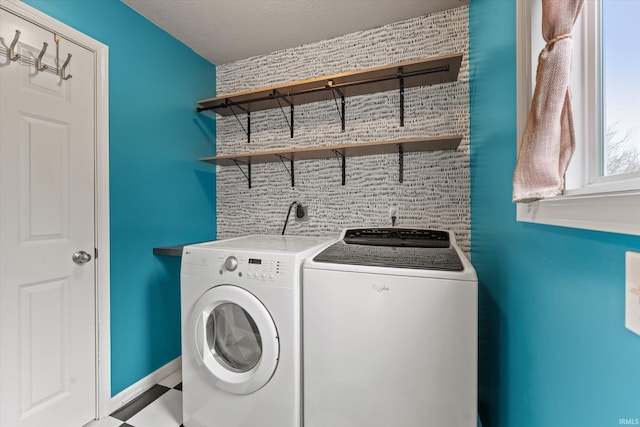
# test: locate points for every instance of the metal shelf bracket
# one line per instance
(341, 112)
(401, 80)
(290, 171)
(277, 96)
(248, 173)
(247, 131)
(342, 161)
(400, 164)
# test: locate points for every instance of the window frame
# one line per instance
(592, 203)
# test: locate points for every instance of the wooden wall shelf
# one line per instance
(422, 72)
(400, 146)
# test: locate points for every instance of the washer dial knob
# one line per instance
(231, 263)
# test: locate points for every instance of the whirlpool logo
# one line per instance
(380, 288)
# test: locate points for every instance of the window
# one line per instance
(621, 90)
(603, 181)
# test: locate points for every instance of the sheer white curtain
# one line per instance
(548, 141)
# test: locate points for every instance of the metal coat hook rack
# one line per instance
(40, 66)
(63, 74)
(12, 49)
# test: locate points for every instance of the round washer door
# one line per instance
(236, 339)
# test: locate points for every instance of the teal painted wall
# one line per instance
(553, 347)
(160, 195)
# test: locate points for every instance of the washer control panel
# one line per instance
(265, 269)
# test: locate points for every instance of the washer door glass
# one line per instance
(233, 337)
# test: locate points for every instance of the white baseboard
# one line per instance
(134, 390)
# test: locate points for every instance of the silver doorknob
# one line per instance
(81, 257)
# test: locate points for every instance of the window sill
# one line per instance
(610, 212)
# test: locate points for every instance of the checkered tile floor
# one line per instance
(160, 406)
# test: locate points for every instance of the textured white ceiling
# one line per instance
(228, 30)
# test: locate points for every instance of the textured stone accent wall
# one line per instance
(435, 192)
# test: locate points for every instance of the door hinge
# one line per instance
(95, 253)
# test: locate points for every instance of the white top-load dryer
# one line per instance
(241, 331)
(390, 331)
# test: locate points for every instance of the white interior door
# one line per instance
(47, 203)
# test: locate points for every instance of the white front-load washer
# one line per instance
(241, 331)
(390, 331)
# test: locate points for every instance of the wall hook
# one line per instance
(64, 68)
(12, 54)
(39, 64)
